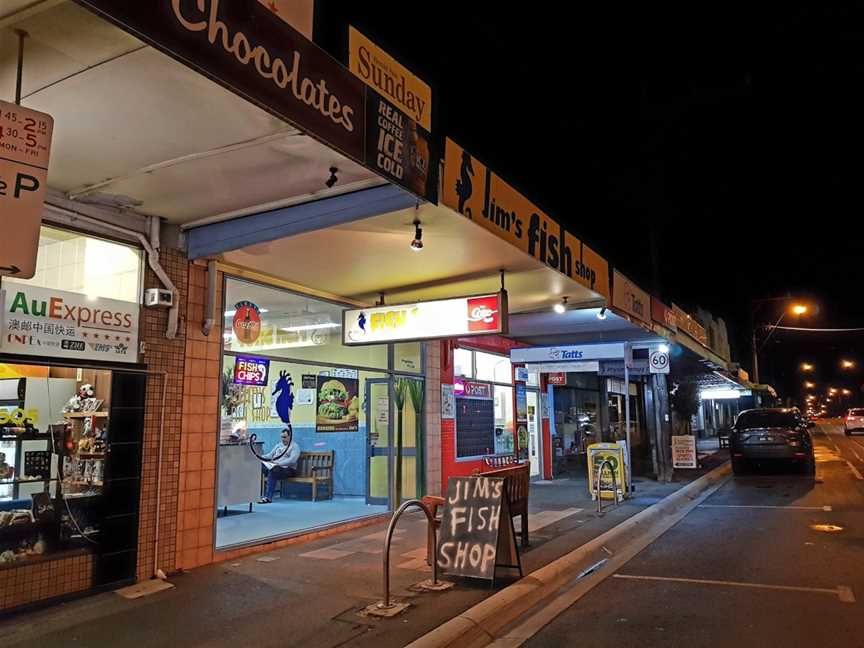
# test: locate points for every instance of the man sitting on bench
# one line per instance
(281, 463)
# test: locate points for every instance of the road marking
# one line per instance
(827, 509)
(854, 471)
(842, 592)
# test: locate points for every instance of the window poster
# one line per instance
(338, 404)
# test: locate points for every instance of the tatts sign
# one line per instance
(389, 78)
(472, 189)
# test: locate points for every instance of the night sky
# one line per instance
(733, 134)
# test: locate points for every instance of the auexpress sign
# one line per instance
(458, 317)
(46, 322)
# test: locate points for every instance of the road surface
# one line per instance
(768, 560)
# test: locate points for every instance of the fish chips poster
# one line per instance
(337, 404)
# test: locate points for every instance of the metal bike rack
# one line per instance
(598, 490)
(387, 607)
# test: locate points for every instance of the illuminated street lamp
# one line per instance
(827, 400)
(806, 366)
(809, 385)
(847, 364)
(832, 390)
(794, 308)
(846, 392)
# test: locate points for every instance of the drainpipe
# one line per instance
(210, 319)
(152, 258)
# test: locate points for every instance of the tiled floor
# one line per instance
(287, 516)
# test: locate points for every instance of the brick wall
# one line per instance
(196, 502)
(162, 355)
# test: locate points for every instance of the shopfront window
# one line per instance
(504, 442)
(313, 433)
(56, 430)
(493, 368)
(463, 363)
(86, 265)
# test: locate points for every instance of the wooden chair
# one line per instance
(314, 468)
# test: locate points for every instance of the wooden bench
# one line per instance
(313, 468)
(517, 479)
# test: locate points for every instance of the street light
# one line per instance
(795, 309)
(832, 390)
(806, 366)
(847, 364)
(846, 392)
(809, 385)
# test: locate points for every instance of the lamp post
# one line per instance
(796, 309)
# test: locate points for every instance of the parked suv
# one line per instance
(771, 434)
(854, 420)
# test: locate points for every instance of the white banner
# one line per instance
(60, 324)
(459, 317)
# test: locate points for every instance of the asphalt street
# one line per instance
(771, 558)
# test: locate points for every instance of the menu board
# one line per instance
(475, 427)
(476, 528)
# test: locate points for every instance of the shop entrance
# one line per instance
(534, 452)
(378, 457)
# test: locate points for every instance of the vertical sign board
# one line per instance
(25, 146)
(477, 529)
(684, 451)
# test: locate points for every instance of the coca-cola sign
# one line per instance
(457, 317)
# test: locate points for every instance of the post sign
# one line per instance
(25, 146)
(557, 378)
(476, 528)
(251, 371)
(458, 317)
(658, 362)
(684, 452)
(55, 323)
(468, 389)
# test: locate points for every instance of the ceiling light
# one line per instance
(332, 180)
(561, 307)
(232, 313)
(310, 327)
(602, 314)
(417, 243)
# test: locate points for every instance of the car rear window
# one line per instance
(766, 419)
(856, 412)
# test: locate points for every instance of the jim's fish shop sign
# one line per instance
(59, 324)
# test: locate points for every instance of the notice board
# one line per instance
(476, 529)
(475, 427)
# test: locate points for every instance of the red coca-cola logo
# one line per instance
(247, 322)
(483, 314)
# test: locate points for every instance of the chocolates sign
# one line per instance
(247, 48)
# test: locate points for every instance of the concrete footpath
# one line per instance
(310, 594)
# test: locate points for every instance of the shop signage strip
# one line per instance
(473, 190)
(457, 317)
(610, 351)
(246, 48)
(384, 74)
(25, 146)
(663, 315)
(59, 324)
(685, 322)
(565, 367)
(630, 298)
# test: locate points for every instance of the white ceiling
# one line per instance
(458, 258)
(175, 143)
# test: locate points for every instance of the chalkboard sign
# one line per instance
(476, 528)
(475, 427)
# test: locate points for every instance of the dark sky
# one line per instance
(734, 132)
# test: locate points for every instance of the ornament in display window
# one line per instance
(83, 401)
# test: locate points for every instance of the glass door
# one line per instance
(534, 451)
(378, 445)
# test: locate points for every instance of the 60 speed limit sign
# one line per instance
(658, 362)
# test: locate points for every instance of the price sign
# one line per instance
(25, 146)
(251, 371)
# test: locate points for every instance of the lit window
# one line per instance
(493, 368)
